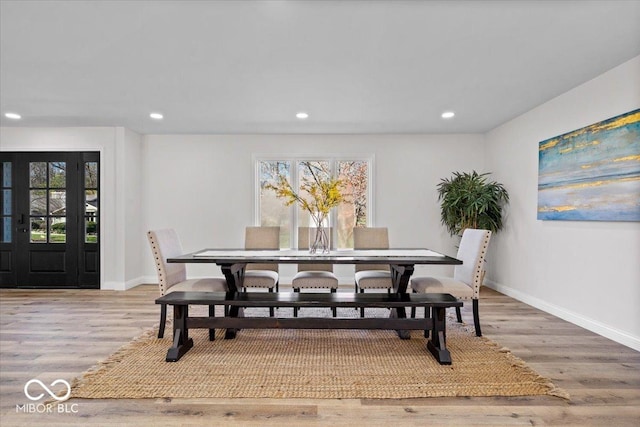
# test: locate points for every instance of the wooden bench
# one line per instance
(235, 321)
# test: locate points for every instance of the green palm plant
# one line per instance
(468, 200)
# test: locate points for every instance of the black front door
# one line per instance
(49, 223)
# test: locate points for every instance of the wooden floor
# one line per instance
(52, 335)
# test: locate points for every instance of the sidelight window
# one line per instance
(5, 202)
(91, 202)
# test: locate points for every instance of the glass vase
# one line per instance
(319, 238)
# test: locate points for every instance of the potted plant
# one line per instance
(469, 200)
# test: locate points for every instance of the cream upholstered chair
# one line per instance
(262, 275)
(173, 276)
(371, 276)
(467, 278)
(310, 276)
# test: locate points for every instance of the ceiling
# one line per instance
(247, 67)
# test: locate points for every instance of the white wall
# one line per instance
(119, 182)
(203, 185)
(131, 203)
(585, 272)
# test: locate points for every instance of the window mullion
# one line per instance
(295, 220)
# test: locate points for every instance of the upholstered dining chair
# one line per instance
(371, 276)
(313, 276)
(173, 276)
(467, 278)
(262, 275)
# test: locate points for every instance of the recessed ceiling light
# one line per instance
(448, 114)
(13, 116)
(302, 115)
(156, 116)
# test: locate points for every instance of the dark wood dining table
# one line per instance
(401, 261)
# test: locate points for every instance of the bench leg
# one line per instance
(361, 308)
(437, 344)
(181, 341)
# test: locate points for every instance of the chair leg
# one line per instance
(413, 310)
(163, 320)
(212, 331)
(295, 309)
(476, 318)
(458, 315)
(334, 309)
(271, 312)
(427, 314)
(361, 308)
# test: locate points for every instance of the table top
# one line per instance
(401, 256)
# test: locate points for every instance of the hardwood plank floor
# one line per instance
(61, 333)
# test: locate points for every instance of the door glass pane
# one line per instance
(38, 230)
(6, 174)
(38, 174)
(91, 230)
(91, 175)
(57, 230)
(57, 174)
(91, 203)
(273, 211)
(6, 229)
(38, 202)
(6, 202)
(352, 212)
(57, 202)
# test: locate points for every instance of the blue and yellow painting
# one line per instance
(593, 173)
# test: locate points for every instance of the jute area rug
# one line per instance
(287, 363)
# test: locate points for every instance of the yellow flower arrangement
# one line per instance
(323, 195)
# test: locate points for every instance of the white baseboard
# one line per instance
(592, 325)
(124, 286)
(111, 286)
(134, 282)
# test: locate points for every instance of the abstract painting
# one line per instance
(593, 173)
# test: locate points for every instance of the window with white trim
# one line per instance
(356, 210)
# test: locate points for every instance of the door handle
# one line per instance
(22, 229)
